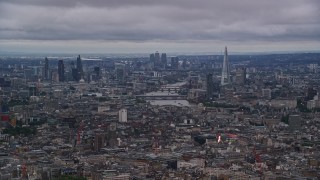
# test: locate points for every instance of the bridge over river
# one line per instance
(162, 97)
(166, 95)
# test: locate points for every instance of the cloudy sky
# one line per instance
(144, 26)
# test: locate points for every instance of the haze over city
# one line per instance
(159, 90)
(141, 26)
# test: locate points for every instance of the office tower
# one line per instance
(164, 60)
(61, 70)
(123, 115)
(74, 72)
(157, 60)
(152, 58)
(184, 64)
(174, 63)
(46, 69)
(120, 72)
(96, 73)
(79, 68)
(240, 78)
(157, 57)
(225, 77)
(209, 86)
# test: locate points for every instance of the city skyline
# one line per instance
(166, 26)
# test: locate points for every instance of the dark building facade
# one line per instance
(174, 63)
(46, 69)
(61, 71)
(79, 68)
(152, 57)
(164, 60)
(210, 86)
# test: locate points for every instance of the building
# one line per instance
(313, 68)
(312, 104)
(175, 63)
(164, 60)
(79, 68)
(152, 58)
(225, 76)
(266, 93)
(295, 122)
(157, 57)
(197, 95)
(209, 86)
(240, 78)
(96, 72)
(33, 90)
(61, 71)
(283, 103)
(112, 135)
(99, 140)
(123, 115)
(120, 72)
(46, 69)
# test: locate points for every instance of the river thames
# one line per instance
(168, 102)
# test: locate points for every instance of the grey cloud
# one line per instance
(147, 20)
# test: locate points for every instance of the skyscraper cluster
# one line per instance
(160, 62)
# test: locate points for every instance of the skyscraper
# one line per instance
(157, 57)
(96, 72)
(240, 77)
(210, 86)
(157, 60)
(74, 72)
(225, 77)
(61, 70)
(164, 60)
(79, 68)
(120, 72)
(175, 63)
(152, 57)
(46, 69)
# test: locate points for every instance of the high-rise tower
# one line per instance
(210, 86)
(61, 70)
(225, 77)
(152, 58)
(79, 68)
(164, 60)
(120, 72)
(175, 63)
(46, 69)
(157, 57)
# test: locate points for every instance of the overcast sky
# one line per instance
(144, 26)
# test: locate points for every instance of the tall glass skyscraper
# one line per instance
(225, 77)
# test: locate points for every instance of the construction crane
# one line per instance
(155, 145)
(24, 171)
(258, 160)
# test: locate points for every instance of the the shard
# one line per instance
(225, 77)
